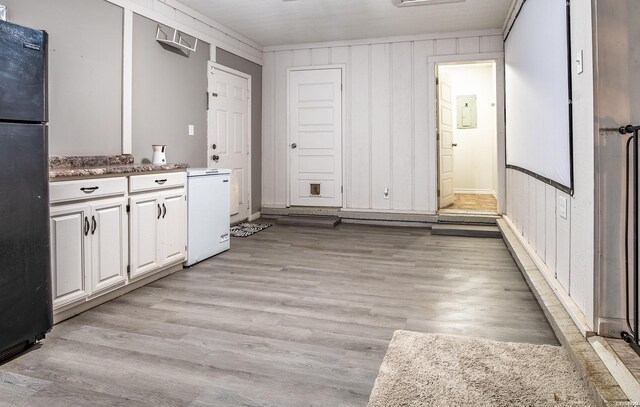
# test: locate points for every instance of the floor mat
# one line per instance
(247, 229)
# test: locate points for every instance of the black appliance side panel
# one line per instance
(23, 74)
(25, 277)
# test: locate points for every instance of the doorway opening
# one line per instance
(467, 134)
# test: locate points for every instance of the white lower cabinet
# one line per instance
(158, 230)
(88, 248)
(102, 237)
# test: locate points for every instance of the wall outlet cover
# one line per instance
(562, 207)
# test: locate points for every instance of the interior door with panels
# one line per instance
(446, 145)
(315, 137)
(228, 135)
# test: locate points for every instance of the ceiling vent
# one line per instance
(407, 3)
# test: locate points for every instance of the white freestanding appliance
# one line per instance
(208, 203)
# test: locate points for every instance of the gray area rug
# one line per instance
(446, 370)
(247, 229)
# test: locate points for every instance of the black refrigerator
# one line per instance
(25, 277)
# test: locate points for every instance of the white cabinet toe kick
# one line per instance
(112, 235)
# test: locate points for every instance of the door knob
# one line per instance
(214, 146)
(294, 145)
(454, 144)
(215, 158)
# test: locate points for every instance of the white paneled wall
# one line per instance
(386, 128)
(565, 246)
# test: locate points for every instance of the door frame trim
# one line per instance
(218, 67)
(498, 58)
(343, 155)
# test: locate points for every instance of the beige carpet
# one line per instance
(445, 370)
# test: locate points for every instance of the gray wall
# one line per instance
(85, 71)
(240, 64)
(169, 94)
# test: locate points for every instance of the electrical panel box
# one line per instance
(467, 112)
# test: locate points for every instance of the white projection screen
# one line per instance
(538, 128)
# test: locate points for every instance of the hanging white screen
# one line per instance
(537, 91)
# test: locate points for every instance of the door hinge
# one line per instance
(341, 189)
(128, 208)
(341, 87)
(128, 270)
(437, 81)
(207, 94)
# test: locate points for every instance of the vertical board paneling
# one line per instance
(470, 45)
(402, 126)
(340, 55)
(563, 244)
(380, 125)
(320, 56)
(446, 46)
(423, 187)
(358, 183)
(284, 59)
(540, 219)
(550, 227)
(531, 217)
(268, 129)
(302, 57)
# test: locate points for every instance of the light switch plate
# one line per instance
(562, 207)
(192, 130)
(580, 62)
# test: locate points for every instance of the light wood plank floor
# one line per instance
(479, 202)
(290, 316)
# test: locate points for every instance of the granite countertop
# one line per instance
(91, 166)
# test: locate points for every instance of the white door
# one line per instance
(174, 219)
(70, 253)
(144, 229)
(445, 135)
(108, 244)
(315, 137)
(228, 135)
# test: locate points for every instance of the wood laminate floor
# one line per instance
(290, 316)
(480, 202)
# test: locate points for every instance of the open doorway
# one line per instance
(467, 137)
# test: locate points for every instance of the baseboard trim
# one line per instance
(475, 191)
(254, 216)
(74, 309)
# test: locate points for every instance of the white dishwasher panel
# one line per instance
(208, 202)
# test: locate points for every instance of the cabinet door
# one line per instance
(144, 226)
(108, 244)
(70, 253)
(174, 236)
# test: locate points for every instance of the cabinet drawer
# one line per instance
(150, 182)
(64, 191)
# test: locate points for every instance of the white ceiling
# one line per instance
(278, 22)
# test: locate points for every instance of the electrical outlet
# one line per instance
(562, 207)
(192, 130)
(385, 194)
